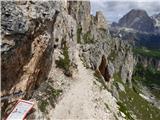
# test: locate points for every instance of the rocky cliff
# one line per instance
(45, 46)
(31, 31)
(147, 61)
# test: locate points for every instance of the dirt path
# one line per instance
(79, 101)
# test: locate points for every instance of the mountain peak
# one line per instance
(137, 19)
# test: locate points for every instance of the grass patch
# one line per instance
(149, 77)
(134, 102)
(53, 95)
(79, 32)
(139, 106)
(124, 109)
(64, 63)
(147, 52)
(56, 93)
(131, 101)
(106, 105)
(117, 77)
(87, 37)
(42, 105)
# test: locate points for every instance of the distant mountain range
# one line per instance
(138, 28)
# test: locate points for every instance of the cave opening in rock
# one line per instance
(103, 68)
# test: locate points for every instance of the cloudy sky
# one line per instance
(115, 9)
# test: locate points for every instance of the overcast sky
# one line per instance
(115, 9)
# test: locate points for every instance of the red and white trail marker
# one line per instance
(20, 110)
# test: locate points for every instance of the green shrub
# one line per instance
(79, 32)
(147, 52)
(64, 63)
(42, 105)
(133, 102)
(87, 37)
(117, 77)
(56, 93)
(148, 76)
(53, 94)
(123, 109)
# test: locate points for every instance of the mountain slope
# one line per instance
(138, 20)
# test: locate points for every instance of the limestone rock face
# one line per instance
(31, 31)
(80, 11)
(148, 61)
(100, 21)
(118, 56)
(65, 33)
(156, 19)
(111, 69)
(127, 68)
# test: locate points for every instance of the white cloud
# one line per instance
(115, 9)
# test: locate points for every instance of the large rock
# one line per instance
(100, 21)
(127, 69)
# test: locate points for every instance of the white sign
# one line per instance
(20, 111)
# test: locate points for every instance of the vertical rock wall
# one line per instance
(30, 33)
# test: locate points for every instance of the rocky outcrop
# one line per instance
(80, 11)
(100, 20)
(110, 57)
(156, 18)
(148, 61)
